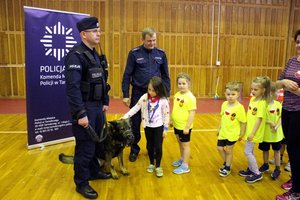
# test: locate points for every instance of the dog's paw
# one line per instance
(125, 173)
(115, 176)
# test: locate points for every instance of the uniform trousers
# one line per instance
(85, 160)
(136, 119)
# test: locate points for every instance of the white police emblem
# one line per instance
(58, 40)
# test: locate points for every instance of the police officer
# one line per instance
(87, 92)
(143, 62)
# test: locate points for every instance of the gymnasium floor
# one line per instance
(15, 106)
(25, 174)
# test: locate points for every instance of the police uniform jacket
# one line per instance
(76, 70)
(142, 64)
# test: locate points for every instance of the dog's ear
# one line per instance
(127, 121)
(113, 123)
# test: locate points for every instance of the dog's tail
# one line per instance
(66, 159)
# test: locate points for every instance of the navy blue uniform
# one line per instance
(86, 97)
(142, 64)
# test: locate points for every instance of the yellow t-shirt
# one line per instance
(256, 109)
(231, 119)
(183, 103)
(273, 114)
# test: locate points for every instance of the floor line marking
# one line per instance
(198, 130)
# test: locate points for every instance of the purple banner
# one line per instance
(49, 35)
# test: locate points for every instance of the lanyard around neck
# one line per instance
(154, 109)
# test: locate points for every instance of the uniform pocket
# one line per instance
(141, 61)
(158, 60)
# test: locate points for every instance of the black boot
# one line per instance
(100, 175)
(133, 157)
(87, 191)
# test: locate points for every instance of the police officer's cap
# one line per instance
(87, 23)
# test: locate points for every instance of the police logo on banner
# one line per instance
(58, 40)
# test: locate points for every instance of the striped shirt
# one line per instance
(291, 101)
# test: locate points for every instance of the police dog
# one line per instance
(119, 135)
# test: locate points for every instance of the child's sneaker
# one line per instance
(253, 178)
(177, 163)
(287, 185)
(287, 167)
(221, 168)
(273, 161)
(150, 168)
(275, 174)
(264, 168)
(159, 172)
(181, 170)
(288, 196)
(225, 172)
(245, 173)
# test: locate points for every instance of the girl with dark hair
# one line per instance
(154, 108)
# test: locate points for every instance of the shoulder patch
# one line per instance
(135, 49)
(160, 49)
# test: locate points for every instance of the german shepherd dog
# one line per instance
(118, 136)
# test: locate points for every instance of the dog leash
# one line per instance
(94, 136)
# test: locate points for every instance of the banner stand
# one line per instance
(42, 145)
(49, 36)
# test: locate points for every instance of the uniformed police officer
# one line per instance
(87, 92)
(143, 62)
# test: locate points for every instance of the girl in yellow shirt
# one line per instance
(183, 113)
(256, 120)
(273, 134)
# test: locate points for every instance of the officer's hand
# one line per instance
(126, 102)
(105, 108)
(83, 122)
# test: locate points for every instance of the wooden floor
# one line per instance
(37, 174)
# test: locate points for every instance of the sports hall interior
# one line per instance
(215, 41)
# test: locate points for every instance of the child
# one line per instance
(184, 109)
(154, 108)
(232, 127)
(273, 134)
(256, 119)
(280, 98)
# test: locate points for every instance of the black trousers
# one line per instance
(136, 119)
(154, 137)
(85, 160)
(291, 130)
